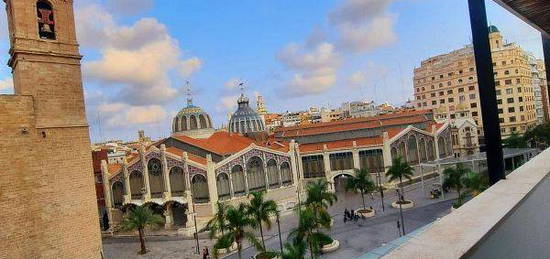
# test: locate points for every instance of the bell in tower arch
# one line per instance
(45, 18)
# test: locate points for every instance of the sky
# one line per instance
(138, 54)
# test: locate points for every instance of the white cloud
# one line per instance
(124, 115)
(364, 25)
(232, 83)
(6, 84)
(190, 66)
(362, 38)
(370, 74)
(136, 59)
(228, 103)
(314, 68)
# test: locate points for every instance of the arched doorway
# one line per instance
(156, 180)
(340, 182)
(118, 193)
(272, 174)
(255, 174)
(136, 184)
(237, 177)
(178, 214)
(177, 182)
(199, 187)
(222, 183)
(286, 174)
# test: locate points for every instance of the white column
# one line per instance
(188, 193)
(265, 172)
(147, 194)
(169, 216)
(436, 147)
(106, 185)
(355, 153)
(295, 163)
(211, 180)
(245, 171)
(279, 173)
(386, 151)
(328, 170)
(127, 188)
(165, 173)
(231, 191)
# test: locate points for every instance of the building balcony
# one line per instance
(508, 220)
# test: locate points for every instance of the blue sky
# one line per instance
(139, 53)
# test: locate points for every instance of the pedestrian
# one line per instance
(205, 254)
(371, 209)
(346, 215)
(351, 214)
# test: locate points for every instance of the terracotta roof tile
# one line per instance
(178, 152)
(341, 144)
(394, 131)
(113, 168)
(221, 142)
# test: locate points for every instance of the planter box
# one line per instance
(228, 250)
(404, 206)
(331, 247)
(256, 256)
(367, 213)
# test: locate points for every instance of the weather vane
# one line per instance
(241, 86)
(188, 91)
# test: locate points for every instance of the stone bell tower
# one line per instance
(47, 191)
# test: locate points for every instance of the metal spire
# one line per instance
(189, 95)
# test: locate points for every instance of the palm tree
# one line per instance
(454, 178)
(309, 224)
(261, 210)
(399, 169)
(318, 194)
(476, 182)
(139, 218)
(294, 250)
(362, 183)
(217, 223)
(238, 223)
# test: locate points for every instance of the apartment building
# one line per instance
(448, 85)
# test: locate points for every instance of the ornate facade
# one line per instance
(181, 175)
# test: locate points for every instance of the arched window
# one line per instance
(136, 184)
(183, 123)
(192, 122)
(222, 183)
(423, 156)
(441, 146)
(199, 187)
(156, 180)
(176, 124)
(401, 151)
(412, 151)
(46, 20)
(237, 177)
(202, 120)
(118, 193)
(177, 181)
(285, 174)
(394, 152)
(255, 174)
(273, 174)
(431, 152)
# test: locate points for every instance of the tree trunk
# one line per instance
(311, 248)
(239, 250)
(363, 198)
(402, 188)
(142, 241)
(262, 233)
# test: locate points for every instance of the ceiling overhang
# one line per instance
(534, 12)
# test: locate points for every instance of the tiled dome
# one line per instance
(245, 119)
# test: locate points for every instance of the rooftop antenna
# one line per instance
(189, 94)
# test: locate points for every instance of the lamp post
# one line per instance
(400, 200)
(380, 188)
(196, 230)
(279, 228)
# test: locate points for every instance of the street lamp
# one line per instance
(380, 188)
(196, 230)
(400, 200)
(279, 228)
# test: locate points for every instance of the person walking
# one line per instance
(346, 215)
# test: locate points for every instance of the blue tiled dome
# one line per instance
(245, 119)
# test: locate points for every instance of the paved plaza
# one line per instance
(355, 238)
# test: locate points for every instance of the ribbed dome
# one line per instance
(245, 119)
(192, 121)
(493, 28)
